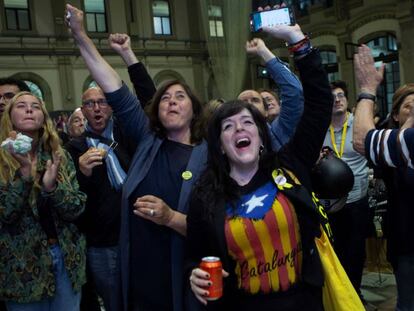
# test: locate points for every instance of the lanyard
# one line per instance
(343, 137)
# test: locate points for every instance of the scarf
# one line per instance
(116, 174)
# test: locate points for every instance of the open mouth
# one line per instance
(98, 118)
(242, 142)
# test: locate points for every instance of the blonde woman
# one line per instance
(42, 253)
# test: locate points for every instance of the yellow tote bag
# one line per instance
(338, 293)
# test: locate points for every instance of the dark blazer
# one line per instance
(135, 123)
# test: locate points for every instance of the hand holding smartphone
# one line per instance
(270, 18)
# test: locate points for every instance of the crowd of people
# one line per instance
(149, 182)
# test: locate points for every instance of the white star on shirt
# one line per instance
(254, 202)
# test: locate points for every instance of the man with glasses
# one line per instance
(101, 175)
(8, 88)
(351, 224)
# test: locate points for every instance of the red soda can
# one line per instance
(213, 266)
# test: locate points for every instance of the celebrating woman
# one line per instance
(43, 254)
(254, 209)
(170, 157)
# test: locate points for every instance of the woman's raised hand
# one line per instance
(52, 168)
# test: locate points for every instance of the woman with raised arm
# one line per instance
(391, 151)
(254, 209)
(170, 157)
(42, 264)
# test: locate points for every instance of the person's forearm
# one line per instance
(178, 222)
(266, 55)
(129, 57)
(104, 75)
(363, 123)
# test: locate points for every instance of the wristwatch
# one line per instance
(366, 96)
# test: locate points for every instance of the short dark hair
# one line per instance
(273, 93)
(397, 100)
(340, 84)
(23, 87)
(196, 122)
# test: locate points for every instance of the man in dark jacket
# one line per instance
(101, 155)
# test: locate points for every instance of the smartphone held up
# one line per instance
(270, 18)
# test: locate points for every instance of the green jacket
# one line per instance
(26, 272)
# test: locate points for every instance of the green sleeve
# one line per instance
(14, 198)
(68, 200)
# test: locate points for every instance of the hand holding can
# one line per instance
(213, 266)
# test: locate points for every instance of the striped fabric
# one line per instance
(391, 148)
(267, 250)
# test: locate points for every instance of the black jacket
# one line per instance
(101, 220)
(205, 231)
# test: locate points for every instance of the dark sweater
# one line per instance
(101, 220)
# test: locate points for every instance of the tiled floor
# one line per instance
(379, 290)
(378, 282)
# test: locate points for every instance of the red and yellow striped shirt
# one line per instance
(266, 247)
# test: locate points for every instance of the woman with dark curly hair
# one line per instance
(254, 208)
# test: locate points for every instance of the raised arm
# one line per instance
(106, 77)
(311, 130)
(368, 80)
(142, 81)
(125, 105)
(283, 127)
(291, 93)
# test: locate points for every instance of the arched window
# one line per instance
(330, 63)
(384, 48)
(92, 84)
(35, 89)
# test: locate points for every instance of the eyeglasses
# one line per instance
(90, 104)
(338, 96)
(8, 95)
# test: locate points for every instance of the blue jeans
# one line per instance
(404, 275)
(65, 299)
(104, 266)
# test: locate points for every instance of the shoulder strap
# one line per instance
(292, 181)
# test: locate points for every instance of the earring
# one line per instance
(261, 149)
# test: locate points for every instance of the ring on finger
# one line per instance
(152, 212)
